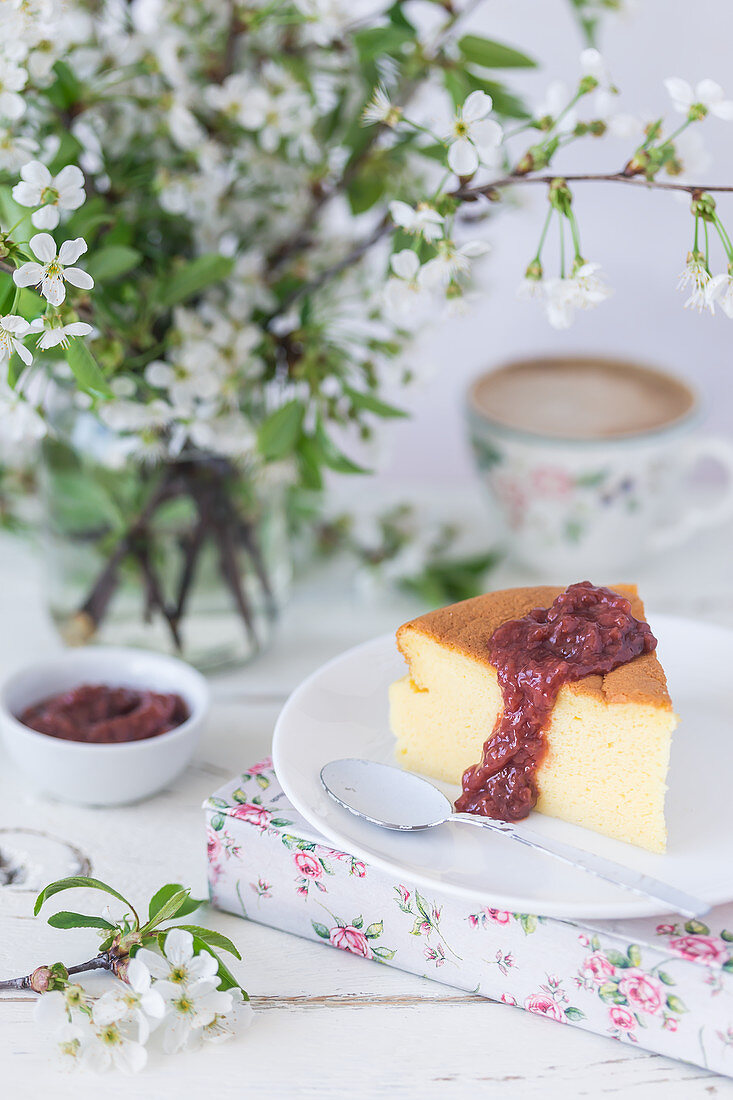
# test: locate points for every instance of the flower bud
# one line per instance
(638, 164)
(534, 271)
(703, 205)
(41, 979)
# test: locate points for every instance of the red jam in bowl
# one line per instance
(98, 714)
(587, 631)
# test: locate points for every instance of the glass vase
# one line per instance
(188, 556)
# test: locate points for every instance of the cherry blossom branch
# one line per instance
(470, 194)
(38, 980)
(303, 234)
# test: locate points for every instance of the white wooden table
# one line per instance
(328, 1025)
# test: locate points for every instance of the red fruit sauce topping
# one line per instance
(587, 631)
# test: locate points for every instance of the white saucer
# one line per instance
(342, 711)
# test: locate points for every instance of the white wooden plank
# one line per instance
(329, 1052)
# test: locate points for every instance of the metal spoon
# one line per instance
(395, 799)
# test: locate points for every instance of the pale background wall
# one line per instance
(641, 239)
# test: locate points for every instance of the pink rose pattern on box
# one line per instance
(355, 938)
(671, 991)
(636, 998)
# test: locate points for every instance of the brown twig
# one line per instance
(94, 608)
(468, 193)
(35, 982)
(155, 597)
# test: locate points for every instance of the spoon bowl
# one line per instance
(385, 795)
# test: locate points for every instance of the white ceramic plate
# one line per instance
(342, 711)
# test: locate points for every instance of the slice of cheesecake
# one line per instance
(606, 743)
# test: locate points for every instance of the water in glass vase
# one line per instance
(188, 556)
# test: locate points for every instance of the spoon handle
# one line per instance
(673, 899)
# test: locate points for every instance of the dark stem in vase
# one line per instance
(206, 481)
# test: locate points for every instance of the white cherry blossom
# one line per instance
(707, 94)
(593, 65)
(13, 79)
(178, 965)
(474, 138)
(13, 330)
(422, 220)
(113, 1045)
(51, 193)
(379, 109)
(696, 277)
(55, 334)
(190, 1008)
(15, 149)
(51, 274)
(583, 290)
(720, 290)
(554, 103)
(450, 263)
(223, 1026)
(406, 301)
(133, 1001)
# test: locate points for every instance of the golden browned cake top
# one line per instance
(468, 626)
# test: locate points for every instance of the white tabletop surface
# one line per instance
(328, 1025)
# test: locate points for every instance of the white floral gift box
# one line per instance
(666, 986)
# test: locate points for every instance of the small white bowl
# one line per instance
(102, 775)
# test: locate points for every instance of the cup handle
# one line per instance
(698, 517)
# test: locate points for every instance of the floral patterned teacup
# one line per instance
(571, 506)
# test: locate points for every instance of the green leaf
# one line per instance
(321, 930)
(674, 1004)
(617, 959)
(456, 85)
(112, 262)
(86, 370)
(634, 955)
(666, 978)
(7, 294)
(384, 954)
(573, 1013)
(375, 42)
(728, 966)
(726, 935)
(422, 905)
(373, 404)
(228, 981)
(66, 89)
(367, 187)
(493, 55)
(333, 457)
(309, 464)
(358, 922)
(506, 103)
(528, 922)
(76, 882)
(80, 504)
(65, 919)
(162, 896)
(217, 821)
(696, 928)
(374, 930)
(195, 276)
(279, 432)
(212, 938)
